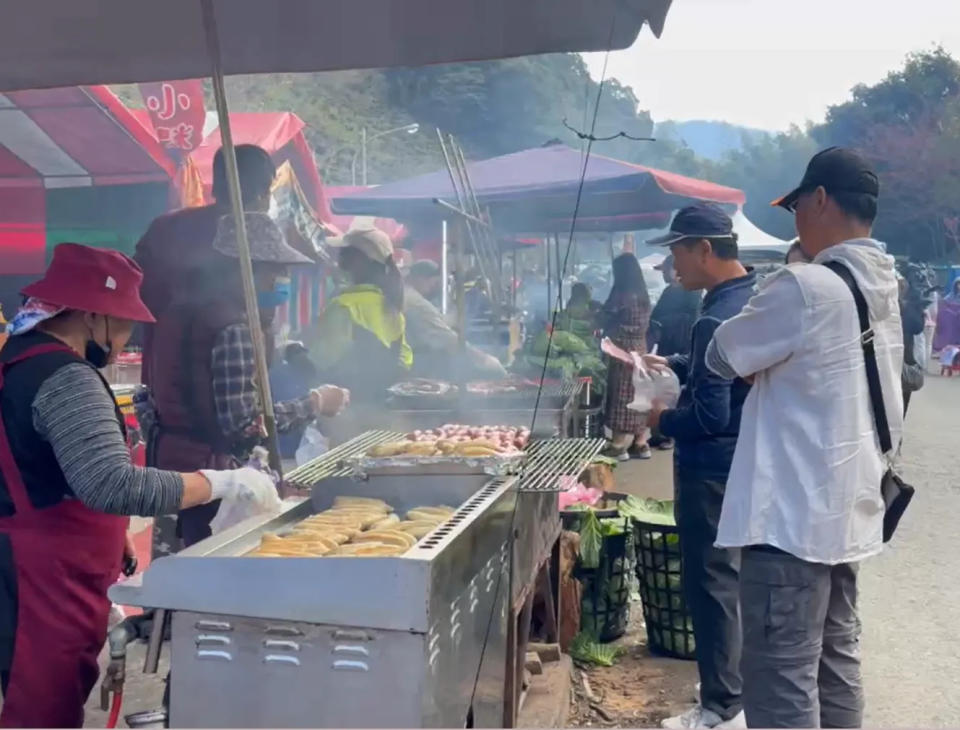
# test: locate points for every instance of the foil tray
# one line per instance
(498, 466)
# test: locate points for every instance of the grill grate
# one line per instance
(330, 464)
(546, 462)
(551, 459)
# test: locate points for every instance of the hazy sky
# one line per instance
(770, 63)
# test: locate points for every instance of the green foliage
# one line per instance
(591, 540)
(586, 649)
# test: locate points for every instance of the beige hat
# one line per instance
(371, 242)
(267, 242)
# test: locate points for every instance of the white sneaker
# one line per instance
(698, 717)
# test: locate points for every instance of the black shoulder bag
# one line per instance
(896, 493)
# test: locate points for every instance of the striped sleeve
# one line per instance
(73, 412)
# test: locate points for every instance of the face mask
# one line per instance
(96, 354)
(276, 297)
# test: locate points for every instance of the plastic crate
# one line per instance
(658, 566)
(605, 598)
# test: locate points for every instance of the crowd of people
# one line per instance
(778, 455)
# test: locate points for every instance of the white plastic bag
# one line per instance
(312, 444)
(233, 512)
(651, 386)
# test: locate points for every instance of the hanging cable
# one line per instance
(561, 269)
(593, 138)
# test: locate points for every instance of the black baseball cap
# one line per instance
(701, 220)
(836, 170)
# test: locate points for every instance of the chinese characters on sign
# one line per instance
(177, 111)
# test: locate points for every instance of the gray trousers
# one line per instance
(801, 642)
(711, 590)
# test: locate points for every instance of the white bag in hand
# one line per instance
(651, 386)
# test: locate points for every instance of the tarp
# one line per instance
(750, 236)
(75, 137)
(345, 223)
(46, 43)
(533, 189)
(280, 134)
(66, 157)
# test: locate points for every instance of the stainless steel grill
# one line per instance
(331, 463)
(551, 459)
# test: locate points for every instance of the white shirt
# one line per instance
(806, 473)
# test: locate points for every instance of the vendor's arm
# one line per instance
(764, 334)
(708, 412)
(74, 413)
(235, 395)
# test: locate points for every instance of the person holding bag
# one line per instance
(805, 497)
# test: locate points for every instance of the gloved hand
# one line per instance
(248, 486)
(330, 400)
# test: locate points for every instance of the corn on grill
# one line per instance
(360, 642)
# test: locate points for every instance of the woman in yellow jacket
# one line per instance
(360, 339)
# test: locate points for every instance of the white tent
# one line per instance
(755, 244)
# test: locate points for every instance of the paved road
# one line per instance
(910, 595)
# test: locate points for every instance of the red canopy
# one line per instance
(75, 137)
(280, 134)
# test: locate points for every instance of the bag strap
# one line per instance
(869, 355)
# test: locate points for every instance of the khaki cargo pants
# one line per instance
(801, 642)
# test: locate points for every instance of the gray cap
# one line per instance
(267, 242)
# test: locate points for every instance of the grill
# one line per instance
(330, 464)
(549, 460)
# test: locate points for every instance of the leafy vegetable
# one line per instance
(591, 540)
(606, 461)
(585, 648)
(653, 511)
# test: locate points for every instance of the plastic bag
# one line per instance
(233, 512)
(312, 444)
(650, 386)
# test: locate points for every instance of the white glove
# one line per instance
(247, 486)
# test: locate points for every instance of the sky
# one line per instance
(772, 63)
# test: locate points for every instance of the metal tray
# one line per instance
(363, 466)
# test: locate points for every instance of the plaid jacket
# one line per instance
(235, 392)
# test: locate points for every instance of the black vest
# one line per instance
(42, 477)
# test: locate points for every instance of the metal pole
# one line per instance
(444, 268)
(556, 240)
(546, 246)
(460, 294)
(363, 153)
(243, 244)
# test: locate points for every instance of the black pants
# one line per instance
(711, 587)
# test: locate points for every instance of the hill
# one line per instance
(711, 140)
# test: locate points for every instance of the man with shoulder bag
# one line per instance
(811, 492)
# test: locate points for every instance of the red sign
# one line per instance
(177, 112)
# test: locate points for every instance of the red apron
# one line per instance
(65, 557)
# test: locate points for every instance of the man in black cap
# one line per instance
(803, 499)
(705, 425)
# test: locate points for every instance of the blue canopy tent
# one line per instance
(536, 190)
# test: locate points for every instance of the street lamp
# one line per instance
(364, 139)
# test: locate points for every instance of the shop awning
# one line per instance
(75, 137)
(536, 189)
(46, 43)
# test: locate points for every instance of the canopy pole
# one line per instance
(444, 269)
(243, 243)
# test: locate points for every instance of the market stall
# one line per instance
(258, 631)
(433, 629)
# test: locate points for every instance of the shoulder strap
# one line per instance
(869, 355)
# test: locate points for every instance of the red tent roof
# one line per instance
(75, 137)
(280, 134)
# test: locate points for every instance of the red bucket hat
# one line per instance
(92, 280)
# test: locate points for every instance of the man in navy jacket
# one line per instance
(705, 425)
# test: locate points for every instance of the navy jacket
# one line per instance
(706, 421)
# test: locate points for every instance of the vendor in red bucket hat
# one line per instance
(67, 484)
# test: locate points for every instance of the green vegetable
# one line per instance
(652, 511)
(585, 648)
(591, 540)
(568, 343)
(607, 460)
